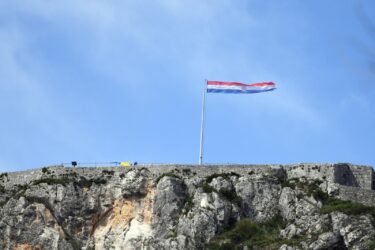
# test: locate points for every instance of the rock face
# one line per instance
(187, 207)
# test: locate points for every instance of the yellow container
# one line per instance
(124, 164)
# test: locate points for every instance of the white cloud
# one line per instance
(11, 44)
(176, 29)
(355, 100)
(197, 25)
(25, 104)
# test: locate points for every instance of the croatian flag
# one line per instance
(239, 88)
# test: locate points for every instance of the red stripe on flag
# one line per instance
(261, 84)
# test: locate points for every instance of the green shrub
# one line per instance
(186, 171)
(99, 181)
(226, 176)
(230, 195)
(318, 194)
(83, 182)
(227, 194)
(207, 188)
(19, 191)
(371, 245)
(221, 246)
(64, 180)
(346, 207)
(45, 170)
(245, 229)
(268, 234)
(291, 183)
(53, 181)
(108, 172)
(311, 188)
(248, 233)
(189, 204)
(170, 174)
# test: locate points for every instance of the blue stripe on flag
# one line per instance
(237, 91)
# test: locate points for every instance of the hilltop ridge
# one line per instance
(311, 206)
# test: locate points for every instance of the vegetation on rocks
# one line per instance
(66, 179)
(53, 181)
(3, 175)
(83, 182)
(210, 209)
(310, 187)
(372, 245)
(19, 191)
(248, 233)
(225, 176)
(188, 171)
(108, 172)
(346, 207)
(228, 194)
(189, 204)
(15, 192)
(206, 188)
(45, 170)
(170, 174)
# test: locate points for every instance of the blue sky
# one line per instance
(102, 81)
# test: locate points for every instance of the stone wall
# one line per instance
(311, 171)
(23, 177)
(356, 194)
(342, 174)
(364, 176)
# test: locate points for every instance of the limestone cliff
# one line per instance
(305, 206)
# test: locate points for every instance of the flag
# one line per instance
(239, 88)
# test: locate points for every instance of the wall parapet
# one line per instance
(342, 173)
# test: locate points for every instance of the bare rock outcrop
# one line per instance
(305, 206)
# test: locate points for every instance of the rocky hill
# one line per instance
(305, 206)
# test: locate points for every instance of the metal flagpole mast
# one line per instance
(202, 122)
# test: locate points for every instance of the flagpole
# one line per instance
(202, 122)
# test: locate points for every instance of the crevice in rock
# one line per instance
(73, 242)
(99, 218)
(341, 244)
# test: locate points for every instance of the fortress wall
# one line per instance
(343, 174)
(364, 176)
(207, 170)
(311, 171)
(356, 194)
(24, 177)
